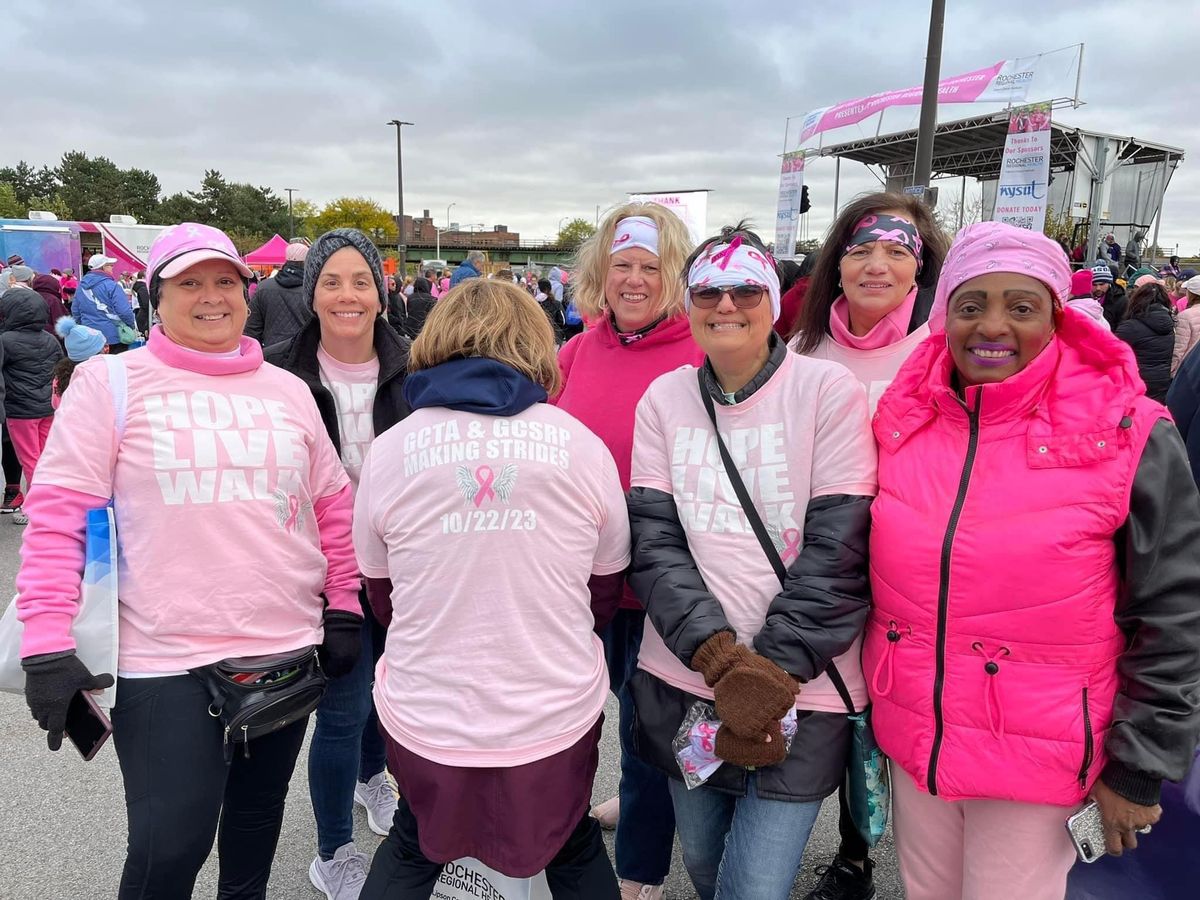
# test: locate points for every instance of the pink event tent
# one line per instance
(272, 253)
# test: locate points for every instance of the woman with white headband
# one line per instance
(786, 488)
(627, 286)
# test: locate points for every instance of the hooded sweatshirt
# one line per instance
(51, 291)
(489, 511)
(30, 354)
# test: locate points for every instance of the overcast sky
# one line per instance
(528, 112)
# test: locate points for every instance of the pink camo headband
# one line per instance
(636, 231)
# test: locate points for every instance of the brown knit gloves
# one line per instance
(751, 694)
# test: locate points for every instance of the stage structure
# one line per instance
(1104, 181)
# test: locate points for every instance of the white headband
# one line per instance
(636, 231)
(724, 265)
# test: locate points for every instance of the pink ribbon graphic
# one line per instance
(791, 545)
(723, 258)
(293, 513)
(484, 476)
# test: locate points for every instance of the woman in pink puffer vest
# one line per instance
(1035, 637)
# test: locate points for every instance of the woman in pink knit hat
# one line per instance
(1034, 577)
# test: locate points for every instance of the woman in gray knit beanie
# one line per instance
(330, 243)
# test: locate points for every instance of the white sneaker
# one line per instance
(343, 877)
(635, 890)
(379, 798)
(20, 517)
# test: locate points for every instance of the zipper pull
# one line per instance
(226, 734)
(246, 741)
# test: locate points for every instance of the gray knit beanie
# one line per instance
(330, 243)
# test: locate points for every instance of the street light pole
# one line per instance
(437, 252)
(401, 247)
(923, 167)
(291, 221)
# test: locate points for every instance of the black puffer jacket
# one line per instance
(299, 356)
(277, 309)
(30, 354)
(820, 610)
(407, 314)
(1152, 337)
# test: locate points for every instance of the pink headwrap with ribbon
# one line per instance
(636, 231)
(726, 265)
(988, 247)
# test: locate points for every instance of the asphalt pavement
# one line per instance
(62, 821)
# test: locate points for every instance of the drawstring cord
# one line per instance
(991, 694)
(888, 661)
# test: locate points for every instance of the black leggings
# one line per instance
(177, 788)
(853, 846)
(579, 871)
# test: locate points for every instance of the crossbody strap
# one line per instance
(118, 386)
(757, 525)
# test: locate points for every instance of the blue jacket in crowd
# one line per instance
(111, 295)
(1184, 402)
(462, 273)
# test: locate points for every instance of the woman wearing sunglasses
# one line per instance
(866, 308)
(627, 286)
(725, 628)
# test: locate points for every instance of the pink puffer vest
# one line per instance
(991, 649)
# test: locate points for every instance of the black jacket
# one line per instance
(1156, 713)
(1184, 402)
(407, 314)
(30, 354)
(299, 356)
(141, 315)
(277, 309)
(816, 616)
(1115, 302)
(1152, 337)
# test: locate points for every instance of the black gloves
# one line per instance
(51, 682)
(343, 642)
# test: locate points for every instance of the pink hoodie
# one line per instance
(1011, 607)
(232, 508)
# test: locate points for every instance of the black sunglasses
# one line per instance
(744, 296)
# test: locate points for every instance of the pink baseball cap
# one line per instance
(182, 246)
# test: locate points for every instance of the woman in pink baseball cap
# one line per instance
(1033, 577)
(234, 517)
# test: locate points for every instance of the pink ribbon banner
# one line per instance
(1004, 82)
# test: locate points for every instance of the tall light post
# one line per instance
(438, 249)
(923, 165)
(558, 233)
(291, 221)
(401, 247)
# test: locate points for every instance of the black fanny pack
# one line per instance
(258, 695)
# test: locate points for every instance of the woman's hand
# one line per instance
(1122, 818)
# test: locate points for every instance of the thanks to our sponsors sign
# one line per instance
(1025, 169)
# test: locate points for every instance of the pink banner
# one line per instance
(1004, 81)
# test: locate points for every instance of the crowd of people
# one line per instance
(936, 498)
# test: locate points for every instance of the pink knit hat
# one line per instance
(1081, 283)
(988, 247)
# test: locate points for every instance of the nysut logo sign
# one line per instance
(469, 879)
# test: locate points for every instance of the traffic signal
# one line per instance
(804, 204)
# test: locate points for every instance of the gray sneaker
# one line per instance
(379, 798)
(343, 877)
(20, 517)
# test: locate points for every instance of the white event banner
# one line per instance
(1024, 182)
(690, 206)
(787, 213)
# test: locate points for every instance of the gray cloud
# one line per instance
(529, 112)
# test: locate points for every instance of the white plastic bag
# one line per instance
(94, 628)
(469, 879)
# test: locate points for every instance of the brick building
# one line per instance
(420, 231)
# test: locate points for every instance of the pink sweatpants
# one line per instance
(979, 849)
(29, 439)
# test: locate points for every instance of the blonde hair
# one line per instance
(489, 318)
(592, 260)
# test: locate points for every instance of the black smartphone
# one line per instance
(87, 725)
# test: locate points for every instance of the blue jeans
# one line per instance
(741, 848)
(346, 744)
(646, 827)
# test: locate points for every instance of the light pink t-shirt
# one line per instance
(874, 368)
(489, 529)
(803, 434)
(353, 386)
(214, 488)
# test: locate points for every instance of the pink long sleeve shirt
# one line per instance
(233, 511)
